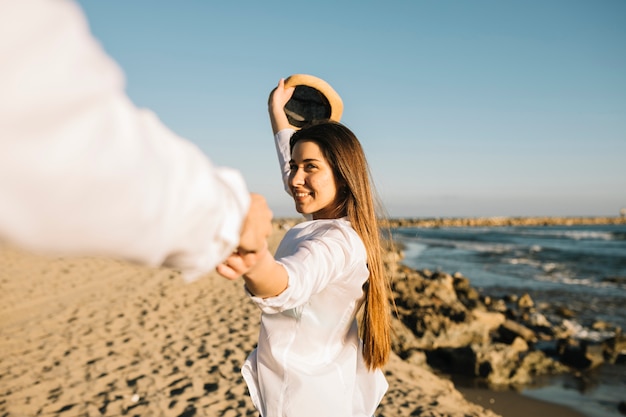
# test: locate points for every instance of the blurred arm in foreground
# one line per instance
(85, 172)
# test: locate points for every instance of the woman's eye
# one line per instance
(311, 166)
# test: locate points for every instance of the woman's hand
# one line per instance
(264, 276)
(240, 262)
(280, 96)
(276, 106)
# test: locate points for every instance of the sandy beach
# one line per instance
(97, 337)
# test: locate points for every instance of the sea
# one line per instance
(582, 268)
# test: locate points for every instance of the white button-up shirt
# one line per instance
(308, 361)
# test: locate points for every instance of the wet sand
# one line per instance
(513, 404)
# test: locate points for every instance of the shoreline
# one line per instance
(516, 404)
(502, 221)
(580, 399)
(97, 337)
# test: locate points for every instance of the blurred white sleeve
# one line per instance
(83, 171)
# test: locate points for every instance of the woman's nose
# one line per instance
(296, 177)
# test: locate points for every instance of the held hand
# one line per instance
(257, 226)
(240, 263)
(264, 276)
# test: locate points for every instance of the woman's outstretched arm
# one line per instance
(264, 276)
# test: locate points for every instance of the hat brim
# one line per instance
(313, 99)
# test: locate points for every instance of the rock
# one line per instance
(417, 357)
(499, 363)
(470, 298)
(494, 363)
(566, 329)
(476, 330)
(525, 302)
(503, 341)
(581, 354)
(565, 312)
(489, 320)
(543, 306)
(461, 283)
(510, 330)
(403, 341)
(615, 349)
(442, 288)
(511, 298)
(499, 306)
(533, 364)
(512, 365)
(457, 360)
(538, 320)
(428, 307)
(393, 256)
(600, 325)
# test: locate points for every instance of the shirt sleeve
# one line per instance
(334, 256)
(281, 139)
(84, 171)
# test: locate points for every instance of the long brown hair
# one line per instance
(344, 153)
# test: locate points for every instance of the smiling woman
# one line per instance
(312, 182)
(325, 270)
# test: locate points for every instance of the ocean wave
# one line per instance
(544, 268)
(583, 333)
(569, 261)
(564, 277)
(413, 248)
(523, 261)
(474, 246)
(570, 234)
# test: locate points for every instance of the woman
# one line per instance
(309, 360)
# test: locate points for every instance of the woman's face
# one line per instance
(312, 182)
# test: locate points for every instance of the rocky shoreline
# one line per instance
(96, 337)
(502, 343)
(501, 221)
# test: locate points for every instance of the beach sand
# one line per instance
(97, 337)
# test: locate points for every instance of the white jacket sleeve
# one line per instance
(83, 171)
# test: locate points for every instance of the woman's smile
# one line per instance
(312, 181)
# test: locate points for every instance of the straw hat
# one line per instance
(313, 99)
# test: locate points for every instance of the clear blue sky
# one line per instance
(464, 108)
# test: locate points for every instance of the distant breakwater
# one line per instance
(501, 221)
